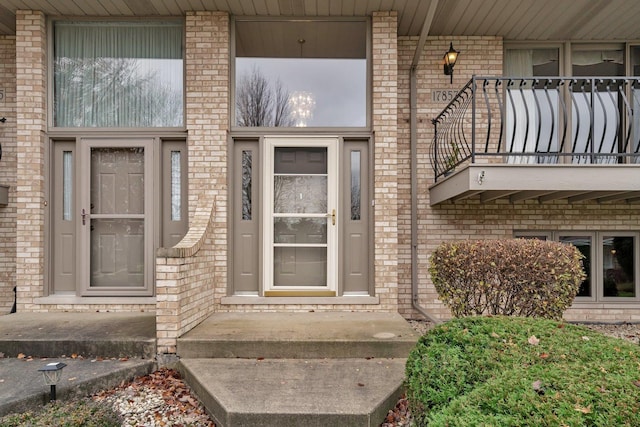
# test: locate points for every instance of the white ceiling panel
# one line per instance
(511, 19)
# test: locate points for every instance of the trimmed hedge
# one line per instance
(513, 277)
(509, 371)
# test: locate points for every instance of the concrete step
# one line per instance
(299, 335)
(296, 392)
(87, 334)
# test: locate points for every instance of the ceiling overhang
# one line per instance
(541, 20)
(544, 183)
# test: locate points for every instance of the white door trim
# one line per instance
(332, 146)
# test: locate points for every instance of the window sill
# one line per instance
(605, 304)
(257, 300)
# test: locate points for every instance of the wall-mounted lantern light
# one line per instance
(450, 59)
(52, 373)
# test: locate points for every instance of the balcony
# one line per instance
(543, 138)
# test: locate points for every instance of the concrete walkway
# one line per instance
(107, 348)
(267, 369)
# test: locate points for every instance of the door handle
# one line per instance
(333, 216)
(84, 216)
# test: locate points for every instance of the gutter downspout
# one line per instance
(413, 94)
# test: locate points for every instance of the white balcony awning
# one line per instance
(544, 183)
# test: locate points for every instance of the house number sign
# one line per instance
(443, 95)
(1, 96)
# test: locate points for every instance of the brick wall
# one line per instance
(8, 172)
(471, 219)
(31, 90)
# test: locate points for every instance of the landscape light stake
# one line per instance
(52, 373)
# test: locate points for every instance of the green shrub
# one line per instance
(513, 277)
(82, 413)
(509, 371)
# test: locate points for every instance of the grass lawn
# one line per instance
(499, 371)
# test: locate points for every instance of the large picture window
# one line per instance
(118, 74)
(301, 73)
(610, 261)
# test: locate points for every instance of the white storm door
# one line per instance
(301, 205)
(115, 218)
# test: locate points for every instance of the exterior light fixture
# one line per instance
(52, 373)
(450, 59)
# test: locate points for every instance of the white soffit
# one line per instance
(511, 19)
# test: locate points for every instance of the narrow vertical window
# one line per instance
(355, 186)
(67, 185)
(246, 185)
(176, 186)
(618, 266)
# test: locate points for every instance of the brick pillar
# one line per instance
(207, 108)
(31, 91)
(193, 278)
(8, 171)
(385, 127)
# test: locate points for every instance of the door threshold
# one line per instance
(302, 300)
(299, 293)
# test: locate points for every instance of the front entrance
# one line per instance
(301, 225)
(300, 217)
(109, 219)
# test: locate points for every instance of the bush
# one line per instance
(514, 277)
(82, 413)
(509, 371)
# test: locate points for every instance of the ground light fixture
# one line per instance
(450, 59)
(52, 373)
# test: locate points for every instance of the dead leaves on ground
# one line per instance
(168, 382)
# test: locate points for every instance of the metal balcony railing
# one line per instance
(549, 120)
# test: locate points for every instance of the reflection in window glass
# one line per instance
(537, 108)
(618, 263)
(246, 184)
(355, 185)
(583, 243)
(176, 187)
(531, 62)
(118, 74)
(287, 76)
(635, 92)
(67, 185)
(589, 61)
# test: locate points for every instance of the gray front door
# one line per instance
(115, 218)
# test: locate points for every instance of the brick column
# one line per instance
(31, 95)
(192, 277)
(207, 108)
(385, 127)
(8, 171)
